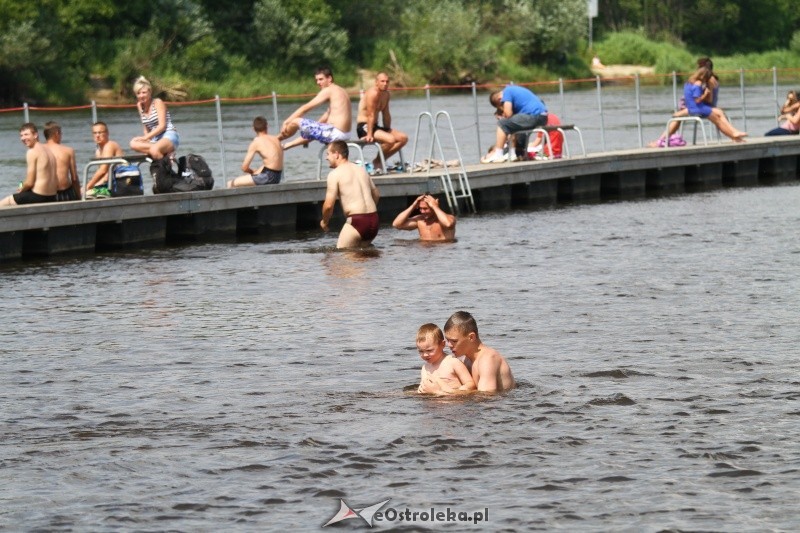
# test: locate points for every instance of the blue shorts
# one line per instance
(267, 176)
(172, 135)
(311, 130)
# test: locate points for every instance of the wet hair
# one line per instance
(430, 331)
(325, 71)
(28, 126)
(340, 147)
(260, 124)
(463, 322)
(140, 83)
(50, 129)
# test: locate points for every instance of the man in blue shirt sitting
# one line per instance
(518, 109)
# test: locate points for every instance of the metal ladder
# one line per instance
(453, 194)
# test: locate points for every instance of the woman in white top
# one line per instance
(160, 137)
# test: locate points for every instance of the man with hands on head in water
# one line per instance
(432, 222)
(358, 194)
(489, 369)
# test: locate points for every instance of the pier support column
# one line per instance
(579, 188)
(131, 233)
(703, 177)
(492, 198)
(666, 180)
(740, 173)
(59, 240)
(266, 219)
(10, 246)
(535, 193)
(193, 225)
(626, 184)
(777, 169)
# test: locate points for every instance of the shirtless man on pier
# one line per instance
(375, 102)
(41, 182)
(69, 187)
(333, 125)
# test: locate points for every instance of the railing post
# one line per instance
(221, 141)
(26, 116)
(428, 98)
(94, 112)
(477, 119)
(275, 111)
(775, 93)
(674, 91)
(600, 112)
(744, 104)
(561, 95)
(639, 110)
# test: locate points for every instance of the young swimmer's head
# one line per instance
(430, 343)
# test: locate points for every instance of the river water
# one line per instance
(252, 385)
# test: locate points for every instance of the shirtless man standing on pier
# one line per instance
(333, 125)
(41, 182)
(357, 193)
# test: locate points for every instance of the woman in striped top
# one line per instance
(160, 137)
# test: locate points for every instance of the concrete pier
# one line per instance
(153, 220)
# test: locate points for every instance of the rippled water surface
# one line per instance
(249, 386)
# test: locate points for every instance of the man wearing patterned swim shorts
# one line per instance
(333, 125)
(358, 195)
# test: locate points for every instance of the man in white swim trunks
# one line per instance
(333, 125)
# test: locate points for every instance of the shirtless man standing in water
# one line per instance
(41, 182)
(489, 369)
(432, 223)
(358, 195)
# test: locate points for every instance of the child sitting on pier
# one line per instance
(441, 373)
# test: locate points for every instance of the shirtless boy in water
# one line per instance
(358, 194)
(490, 371)
(441, 373)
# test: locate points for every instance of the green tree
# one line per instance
(546, 29)
(298, 35)
(443, 40)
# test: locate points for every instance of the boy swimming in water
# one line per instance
(441, 373)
